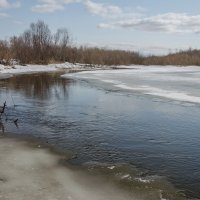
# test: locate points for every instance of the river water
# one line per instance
(140, 127)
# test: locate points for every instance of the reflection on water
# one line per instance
(25, 92)
(40, 86)
(100, 127)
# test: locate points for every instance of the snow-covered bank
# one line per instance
(30, 68)
(22, 69)
(31, 172)
(18, 69)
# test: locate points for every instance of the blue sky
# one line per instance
(148, 26)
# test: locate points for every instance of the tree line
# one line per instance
(38, 45)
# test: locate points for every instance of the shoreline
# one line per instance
(66, 67)
(33, 170)
(29, 171)
(73, 68)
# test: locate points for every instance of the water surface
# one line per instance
(148, 140)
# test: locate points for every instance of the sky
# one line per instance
(147, 26)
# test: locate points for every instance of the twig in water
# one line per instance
(15, 122)
(3, 108)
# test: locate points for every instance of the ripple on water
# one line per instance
(130, 178)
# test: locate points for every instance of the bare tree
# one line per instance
(62, 37)
(40, 35)
(5, 55)
(61, 41)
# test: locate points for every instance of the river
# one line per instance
(140, 127)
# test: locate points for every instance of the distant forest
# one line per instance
(38, 45)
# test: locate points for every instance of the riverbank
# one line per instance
(28, 171)
(7, 71)
(67, 67)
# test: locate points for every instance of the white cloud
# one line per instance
(137, 19)
(169, 22)
(45, 6)
(106, 25)
(126, 18)
(103, 10)
(6, 4)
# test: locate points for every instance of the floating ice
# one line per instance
(175, 83)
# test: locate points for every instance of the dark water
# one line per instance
(110, 127)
